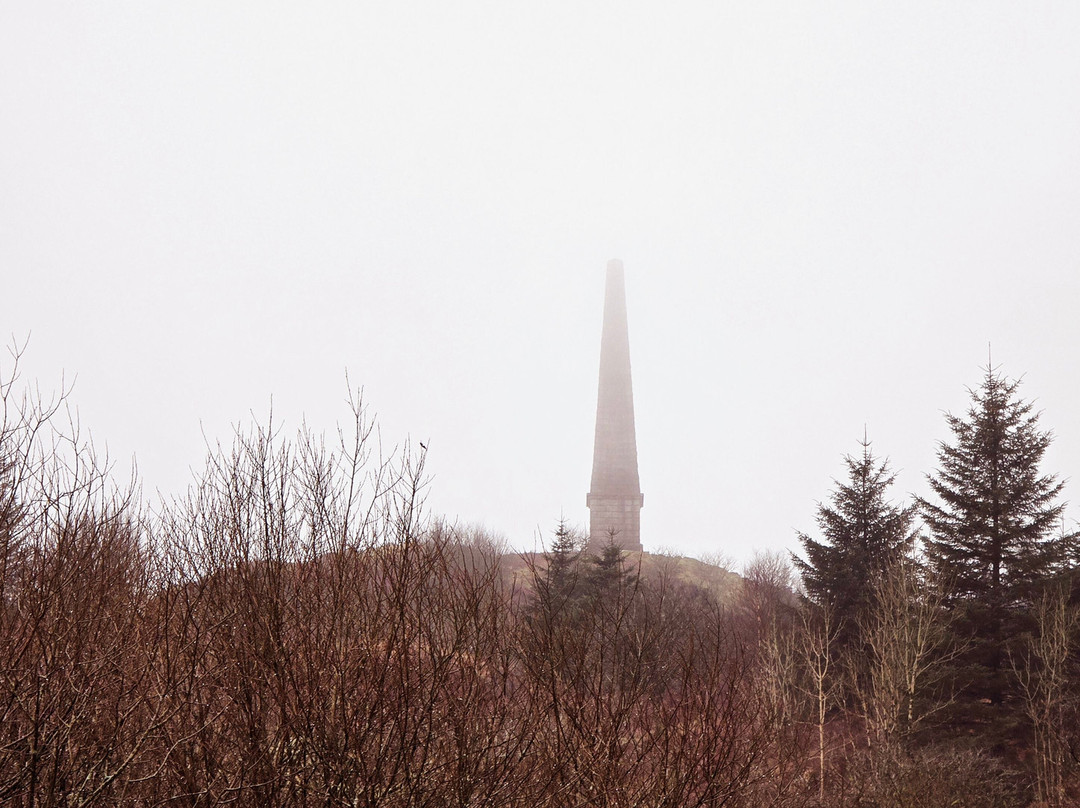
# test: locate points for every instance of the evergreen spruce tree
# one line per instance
(995, 529)
(607, 572)
(863, 535)
(560, 580)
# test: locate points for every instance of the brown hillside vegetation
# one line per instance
(722, 584)
(294, 631)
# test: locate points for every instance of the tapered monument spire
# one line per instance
(615, 498)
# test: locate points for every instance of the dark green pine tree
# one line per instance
(560, 580)
(996, 528)
(863, 535)
(607, 574)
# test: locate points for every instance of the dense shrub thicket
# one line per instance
(294, 632)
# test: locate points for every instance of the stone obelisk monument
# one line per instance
(615, 498)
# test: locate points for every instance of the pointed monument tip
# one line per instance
(614, 268)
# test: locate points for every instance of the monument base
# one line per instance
(615, 517)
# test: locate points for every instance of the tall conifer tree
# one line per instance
(863, 535)
(995, 530)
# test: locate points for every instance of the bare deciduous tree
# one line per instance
(75, 640)
(817, 642)
(907, 636)
(1046, 686)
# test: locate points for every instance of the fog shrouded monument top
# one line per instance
(615, 498)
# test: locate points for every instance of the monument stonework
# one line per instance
(615, 497)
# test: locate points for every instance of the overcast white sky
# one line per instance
(826, 212)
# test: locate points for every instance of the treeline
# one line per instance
(951, 622)
(295, 631)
